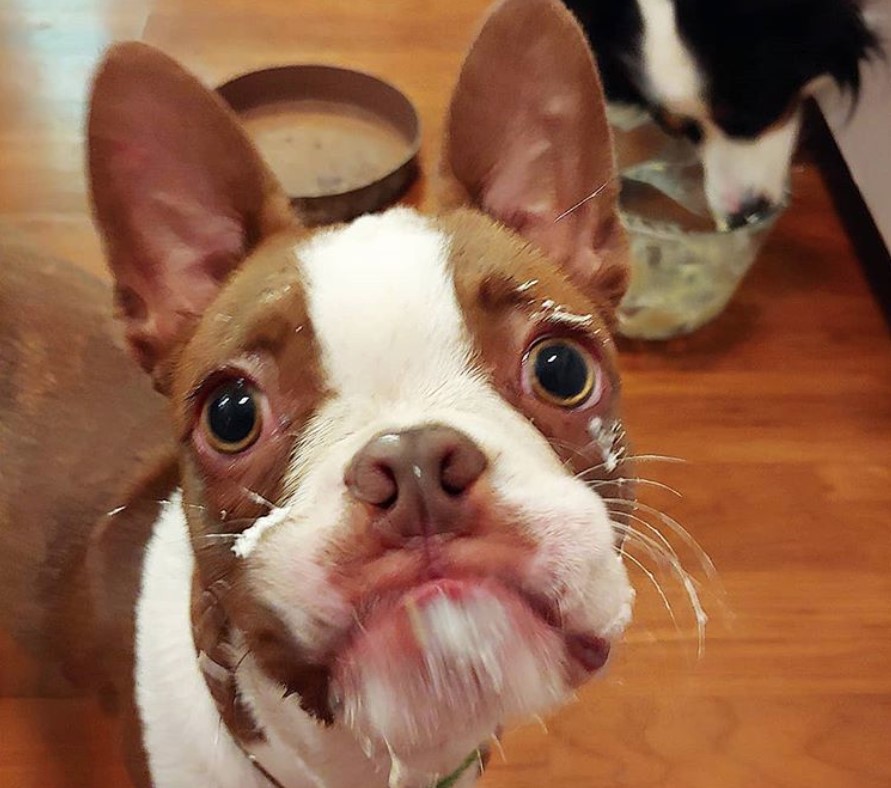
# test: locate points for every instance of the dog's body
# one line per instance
(381, 529)
(731, 76)
(80, 428)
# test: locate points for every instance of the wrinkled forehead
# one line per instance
(390, 301)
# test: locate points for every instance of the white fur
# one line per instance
(383, 305)
(736, 170)
(576, 559)
(186, 743)
(671, 75)
(246, 541)
(300, 752)
(478, 672)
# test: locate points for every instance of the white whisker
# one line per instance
(684, 578)
(581, 202)
(655, 458)
(656, 585)
(634, 480)
(199, 507)
(676, 528)
(499, 747)
(257, 498)
(663, 548)
(358, 621)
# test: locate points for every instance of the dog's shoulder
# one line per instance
(112, 569)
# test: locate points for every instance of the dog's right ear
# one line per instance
(179, 193)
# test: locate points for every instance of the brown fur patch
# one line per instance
(258, 326)
(508, 291)
(77, 422)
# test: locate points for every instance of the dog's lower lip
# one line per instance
(439, 587)
(590, 652)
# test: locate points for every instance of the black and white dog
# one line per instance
(730, 75)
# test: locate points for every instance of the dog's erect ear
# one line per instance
(179, 193)
(528, 140)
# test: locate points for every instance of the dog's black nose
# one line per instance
(417, 480)
(753, 209)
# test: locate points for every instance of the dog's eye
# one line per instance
(679, 125)
(231, 416)
(562, 372)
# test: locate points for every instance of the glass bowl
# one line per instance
(684, 269)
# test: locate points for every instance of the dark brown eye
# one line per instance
(231, 416)
(562, 372)
(679, 126)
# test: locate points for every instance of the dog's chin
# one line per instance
(434, 674)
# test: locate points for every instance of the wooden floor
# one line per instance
(781, 408)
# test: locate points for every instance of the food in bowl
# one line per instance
(685, 269)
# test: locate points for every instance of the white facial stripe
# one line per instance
(672, 77)
(383, 282)
(737, 170)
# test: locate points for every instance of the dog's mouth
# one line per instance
(408, 602)
(410, 623)
(444, 663)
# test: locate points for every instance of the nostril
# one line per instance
(451, 478)
(388, 501)
(759, 207)
(752, 211)
(373, 482)
(461, 466)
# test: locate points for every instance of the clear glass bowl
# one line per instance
(684, 269)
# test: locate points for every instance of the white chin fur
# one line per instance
(476, 669)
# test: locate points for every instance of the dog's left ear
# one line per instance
(528, 140)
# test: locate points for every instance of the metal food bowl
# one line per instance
(342, 142)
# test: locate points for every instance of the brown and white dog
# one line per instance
(378, 529)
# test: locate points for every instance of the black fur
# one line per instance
(756, 55)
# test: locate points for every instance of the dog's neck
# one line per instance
(240, 693)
